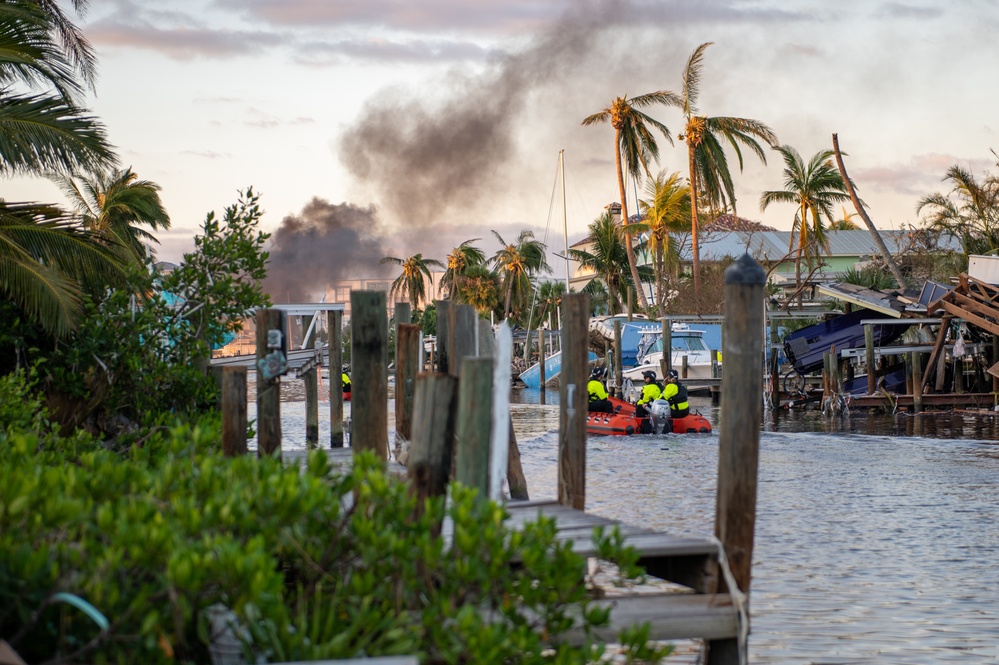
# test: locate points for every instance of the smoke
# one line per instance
(324, 244)
(457, 144)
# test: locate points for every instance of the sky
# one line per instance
(390, 127)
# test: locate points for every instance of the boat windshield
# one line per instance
(688, 344)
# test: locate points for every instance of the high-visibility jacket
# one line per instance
(650, 393)
(676, 395)
(596, 390)
(346, 382)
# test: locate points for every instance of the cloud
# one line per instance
(921, 175)
(181, 42)
(207, 154)
(323, 53)
(425, 15)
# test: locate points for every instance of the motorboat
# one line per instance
(624, 421)
(685, 341)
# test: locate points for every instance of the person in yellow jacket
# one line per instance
(675, 393)
(598, 394)
(650, 393)
(346, 380)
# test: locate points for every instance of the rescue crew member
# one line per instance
(346, 380)
(598, 394)
(650, 393)
(676, 394)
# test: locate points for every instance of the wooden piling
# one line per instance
(683, 366)
(431, 448)
(772, 357)
(234, 420)
(462, 327)
(474, 423)
(618, 370)
(311, 380)
(403, 313)
(369, 373)
(334, 329)
(872, 372)
(407, 358)
(917, 382)
(268, 390)
(667, 345)
(541, 361)
(714, 363)
(443, 331)
(573, 399)
(739, 432)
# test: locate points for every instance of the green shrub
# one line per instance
(314, 564)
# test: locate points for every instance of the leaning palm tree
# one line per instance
(813, 188)
(706, 161)
(464, 256)
(635, 147)
(115, 205)
(517, 263)
(606, 257)
(666, 215)
(411, 283)
(970, 212)
(844, 223)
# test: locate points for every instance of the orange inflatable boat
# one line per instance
(624, 421)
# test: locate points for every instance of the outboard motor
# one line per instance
(659, 415)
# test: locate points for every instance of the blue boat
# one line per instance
(805, 347)
(553, 367)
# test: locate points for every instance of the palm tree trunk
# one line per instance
(632, 264)
(882, 248)
(695, 249)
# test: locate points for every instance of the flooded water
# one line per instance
(876, 537)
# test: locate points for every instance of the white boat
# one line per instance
(685, 342)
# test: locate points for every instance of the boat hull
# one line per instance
(624, 422)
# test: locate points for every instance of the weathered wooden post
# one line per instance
(683, 366)
(714, 363)
(541, 361)
(369, 374)
(270, 339)
(739, 433)
(407, 359)
(311, 380)
(431, 449)
(474, 423)
(618, 370)
(667, 345)
(573, 400)
(443, 351)
(773, 357)
(872, 372)
(334, 329)
(403, 313)
(234, 411)
(995, 359)
(917, 382)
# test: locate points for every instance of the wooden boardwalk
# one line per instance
(677, 604)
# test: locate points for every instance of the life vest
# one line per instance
(677, 401)
(596, 390)
(650, 392)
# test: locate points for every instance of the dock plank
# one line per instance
(670, 616)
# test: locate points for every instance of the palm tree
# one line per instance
(44, 259)
(78, 50)
(550, 295)
(44, 131)
(706, 161)
(844, 223)
(517, 263)
(480, 288)
(114, 204)
(971, 215)
(464, 256)
(636, 146)
(607, 258)
(813, 188)
(666, 215)
(44, 256)
(410, 284)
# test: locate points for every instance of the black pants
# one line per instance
(600, 406)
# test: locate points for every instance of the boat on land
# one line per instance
(553, 367)
(623, 421)
(685, 341)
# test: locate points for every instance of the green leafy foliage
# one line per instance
(315, 564)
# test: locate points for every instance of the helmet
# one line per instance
(649, 375)
(597, 373)
(672, 375)
(346, 368)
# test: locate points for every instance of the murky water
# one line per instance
(874, 543)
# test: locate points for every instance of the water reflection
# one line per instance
(876, 536)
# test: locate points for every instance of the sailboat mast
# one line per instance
(565, 230)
